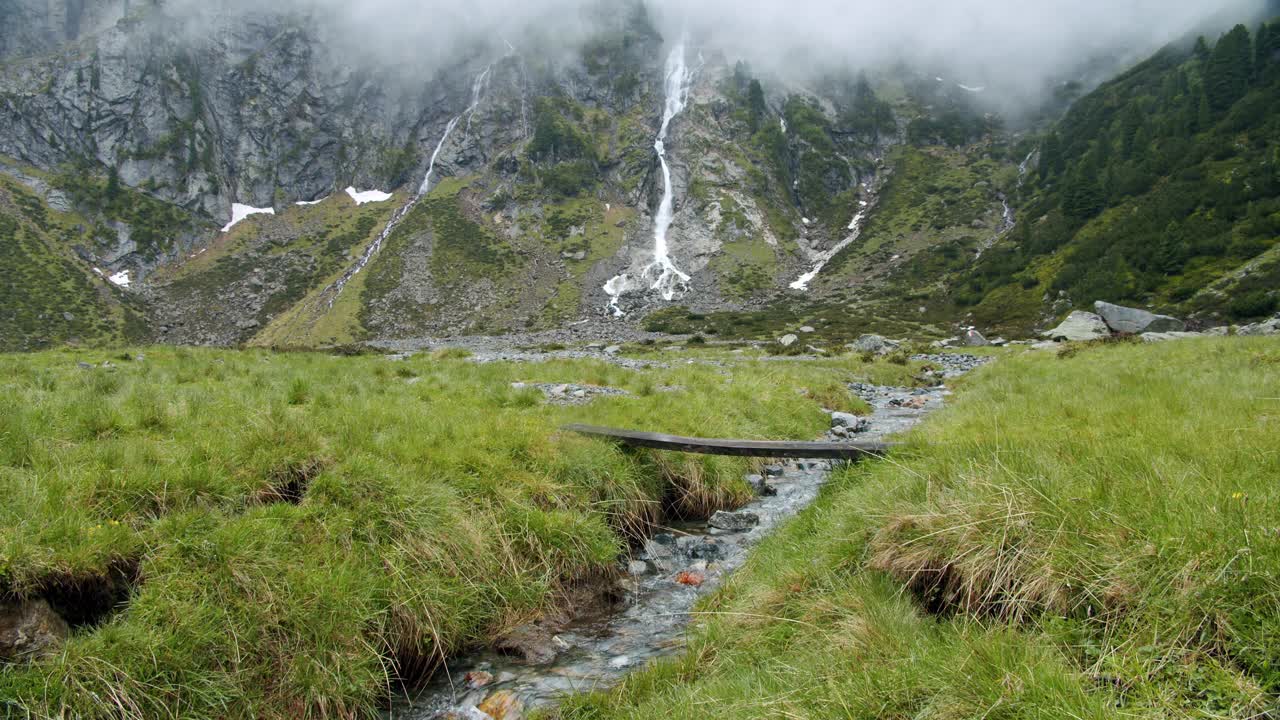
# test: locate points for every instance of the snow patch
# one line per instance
(783, 121)
(368, 196)
(977, 89)
(121, 279)
(240, 212)
(308, 203)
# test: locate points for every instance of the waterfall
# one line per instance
(478, 87)
(855, 231)
(662, 274)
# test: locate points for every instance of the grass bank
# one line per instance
(1086, 536)
(248, 534)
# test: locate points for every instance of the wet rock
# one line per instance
(638, 567)
(477, 679)
(534, 644)
(30, 630)
(690, 578)
(773, 470)
(735, 521)
(1080, 326)
(788, 340)
(502, 705)
(1132, 321)
(697, 548)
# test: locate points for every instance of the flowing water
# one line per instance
(478, 87)
(596, 652)
(662, 274)
(855, 231)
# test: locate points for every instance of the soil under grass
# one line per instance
(1095, 535)
(291, 535)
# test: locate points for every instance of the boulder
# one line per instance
(1131, 321)
(806, 330)
(788, 340)
(851, 423)
(613, 350)
(30, 630)
(1079, 326)
(736, 521)
(874, 344)
(973, 338)
(1267, 327)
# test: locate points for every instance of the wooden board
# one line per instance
(738, 448)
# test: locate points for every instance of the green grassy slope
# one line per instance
(286, 534)
(1085, 536)
(48, 296)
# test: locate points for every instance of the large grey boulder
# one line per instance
(1132, 321)
(1266, 327)
(973, 338)
(788, 340)
(30, 630)
(874, 344)
(1079, 326)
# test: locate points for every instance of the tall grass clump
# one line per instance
(1083, 537)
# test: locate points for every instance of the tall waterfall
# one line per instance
(478, 87)
(662, 275)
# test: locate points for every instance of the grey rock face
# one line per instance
(1267, 327)
(30, 630)
(1132, 321)
(1078, 327)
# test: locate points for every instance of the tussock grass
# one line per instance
(1082, 537)
(309, 530)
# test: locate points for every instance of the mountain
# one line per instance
(891, 199)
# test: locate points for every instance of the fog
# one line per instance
(1011, 44)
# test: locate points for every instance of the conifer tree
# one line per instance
(1227, 73)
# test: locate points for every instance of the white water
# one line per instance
(855, 230)
(662, 274)
(478, 87)
(240, 212)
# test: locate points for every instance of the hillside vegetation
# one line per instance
(1156, 188)
(1087, 535)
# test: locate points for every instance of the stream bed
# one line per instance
(663, 581)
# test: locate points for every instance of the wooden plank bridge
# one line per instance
(737, 448)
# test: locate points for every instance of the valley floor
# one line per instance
(1091, 532)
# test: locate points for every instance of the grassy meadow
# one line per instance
(1090, 534)
(241, 534)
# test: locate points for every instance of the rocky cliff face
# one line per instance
(544, 176)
